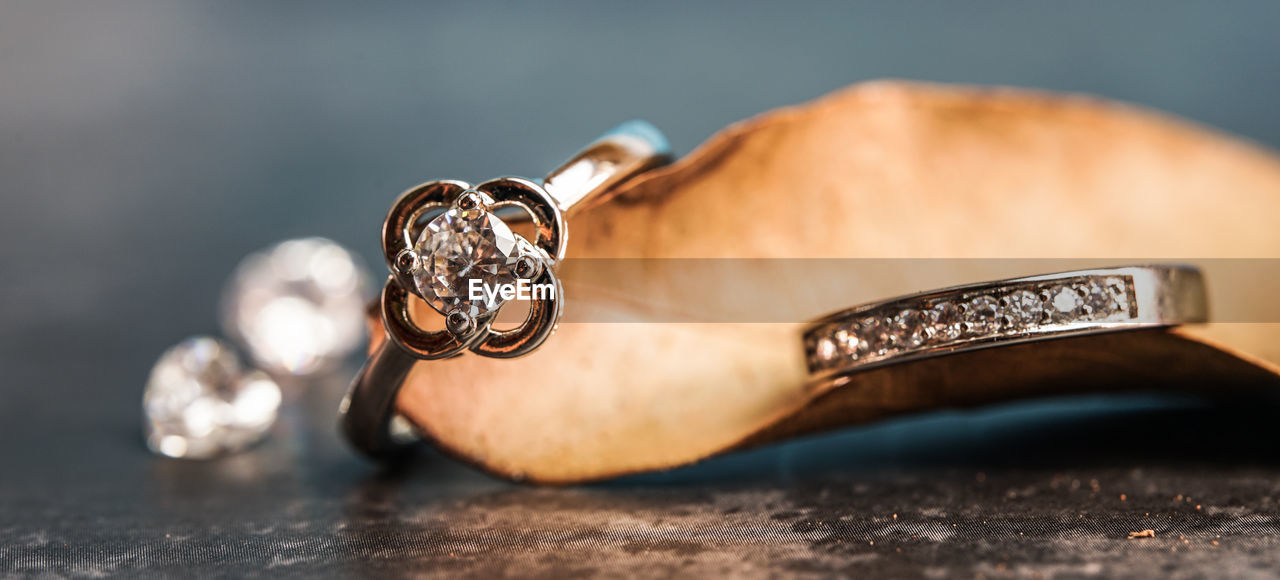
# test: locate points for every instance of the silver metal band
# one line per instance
(1003, 312)
(368, 412)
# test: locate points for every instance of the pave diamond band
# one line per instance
(1004, 312)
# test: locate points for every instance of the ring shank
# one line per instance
(367, 410)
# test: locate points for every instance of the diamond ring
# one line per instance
(1003, 312)
(447, 243)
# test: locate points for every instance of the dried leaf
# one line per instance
(879, 170)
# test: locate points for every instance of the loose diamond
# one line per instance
(873, 337)
(1025, 308)
(1099, 300)
(909, 329)
(984, 312)
(297, 307)
(947, 322)
(460, 245)
(200, 403)
(1064, 303)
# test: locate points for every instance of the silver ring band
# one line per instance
(1003, 312)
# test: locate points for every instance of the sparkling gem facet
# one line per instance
(1025, 308)
(909, 329)
(873, 338)
(846, 342)
(297, 307)
(946, 322)
(984, 313)
(826, 349)
(460, 245)
(1064, 303)
(1100, 301)
(1120, 291)
(199, 403)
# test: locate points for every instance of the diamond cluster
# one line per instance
(964, 316)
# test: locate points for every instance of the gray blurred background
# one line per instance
(146, 146)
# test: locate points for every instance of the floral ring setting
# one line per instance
(446, 244)
(464, 246)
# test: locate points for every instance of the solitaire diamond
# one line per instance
(460, 245)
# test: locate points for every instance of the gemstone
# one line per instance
(1064, 303)
(909, 328)
(825, 349)
(1025, 308)
(1100, 301)
(846, 342)
(200, 403)
(984, 314)
(873, 337)
(1120, 291)
(458, 246)
(946, 322)
(297, 307)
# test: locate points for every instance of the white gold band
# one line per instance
(1004, 312)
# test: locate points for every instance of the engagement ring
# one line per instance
(446, 244)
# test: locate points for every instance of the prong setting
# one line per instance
(472, 199)
(459, 322)
(407, 262)
(528, 268)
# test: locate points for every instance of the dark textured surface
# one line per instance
(1050, 489)
(146, 146)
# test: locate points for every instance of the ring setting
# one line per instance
(466, 243)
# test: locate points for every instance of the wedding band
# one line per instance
(1004, 312)
(465, 246)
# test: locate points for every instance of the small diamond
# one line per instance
(200, 403)
(846, 343)
(826, 349)
(1099, 300)
(946, 322)
(984, 312)
(873, 337)
(1120, 291)
(1025, 308)
(1064, 303)
(909, 329)
(297, 307)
